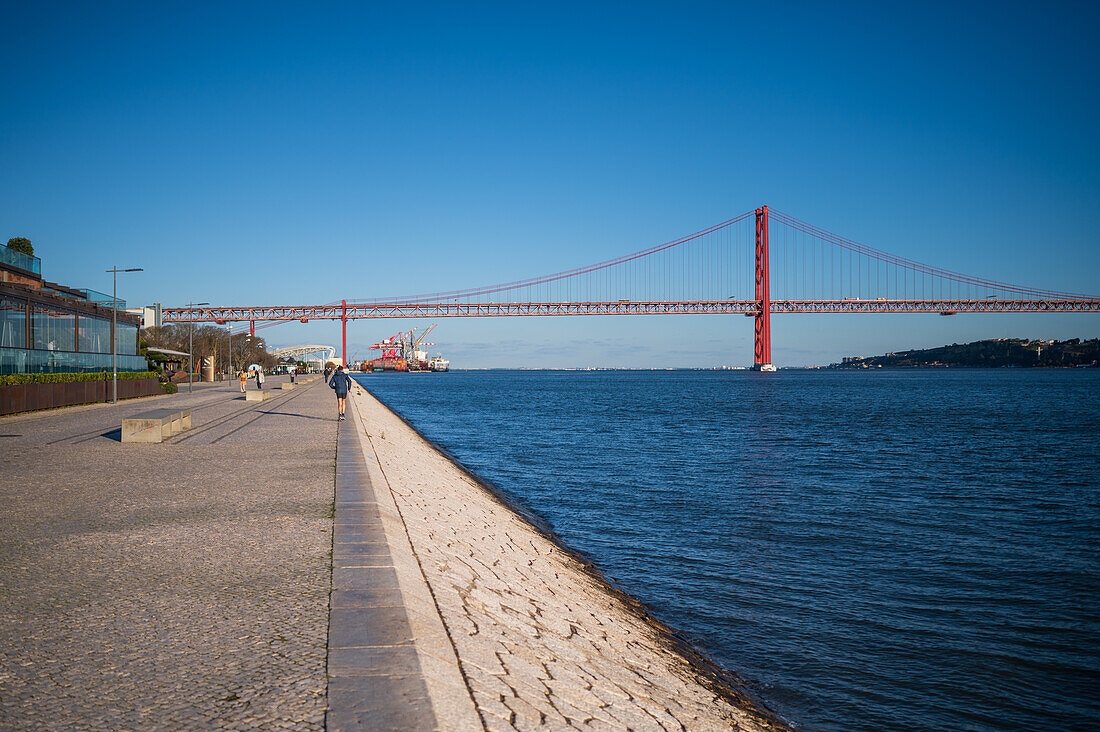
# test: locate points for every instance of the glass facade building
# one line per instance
(40, 333)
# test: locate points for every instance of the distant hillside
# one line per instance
(997, 353)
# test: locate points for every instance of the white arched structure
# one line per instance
(299, 351)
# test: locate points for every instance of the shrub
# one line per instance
(21, 244)
(169, 387)
(62, 378)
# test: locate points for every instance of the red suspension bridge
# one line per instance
(756, 264)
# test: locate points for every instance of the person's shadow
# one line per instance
(291, 414)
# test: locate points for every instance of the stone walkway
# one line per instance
(174, 586)
(373, 665)
(391, 663)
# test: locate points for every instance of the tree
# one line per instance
(212, 341)
(21, 244)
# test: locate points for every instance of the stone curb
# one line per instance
(450, 696)
(374, 676)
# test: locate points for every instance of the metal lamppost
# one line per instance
(229, 340)
(114, 328)
(191, 348)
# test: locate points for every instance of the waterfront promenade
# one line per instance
(274, 569)
(172, 586)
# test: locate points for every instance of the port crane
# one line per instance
(402, 351)
(416, 354)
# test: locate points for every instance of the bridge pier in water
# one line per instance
(762, 348)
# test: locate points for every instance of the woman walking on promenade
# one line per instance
(341, 382)
(242, 378)
(259, 378)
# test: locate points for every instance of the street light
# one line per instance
(229, 352)
(114, 328)
(191, 347)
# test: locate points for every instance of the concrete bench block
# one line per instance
(155, 425)
(288, 386)
(256, 395)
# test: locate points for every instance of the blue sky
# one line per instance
(281, 153)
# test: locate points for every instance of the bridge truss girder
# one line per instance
(619, 307)
(942, 306)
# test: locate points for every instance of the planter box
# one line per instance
(29, 397)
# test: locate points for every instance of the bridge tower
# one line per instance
(344, 332)
(762, 351)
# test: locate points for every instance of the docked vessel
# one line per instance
(379, 365)
(439, 364)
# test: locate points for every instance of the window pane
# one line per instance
(54, 329)
(127, 338)
(95, 335)
(13, 322)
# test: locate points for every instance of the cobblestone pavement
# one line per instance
(174, 586)
(541, 641)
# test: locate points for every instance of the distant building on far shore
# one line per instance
(150, 315)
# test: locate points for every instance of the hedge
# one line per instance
(61, 378)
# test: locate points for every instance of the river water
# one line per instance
(869, 551)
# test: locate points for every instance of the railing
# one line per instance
(26, 262)
(30, 361)
(102, 298)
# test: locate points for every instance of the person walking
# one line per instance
(259, 378)
(341, 383)
(242, 378)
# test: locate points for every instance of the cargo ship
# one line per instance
(379, 365)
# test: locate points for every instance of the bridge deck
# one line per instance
(623, 307)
